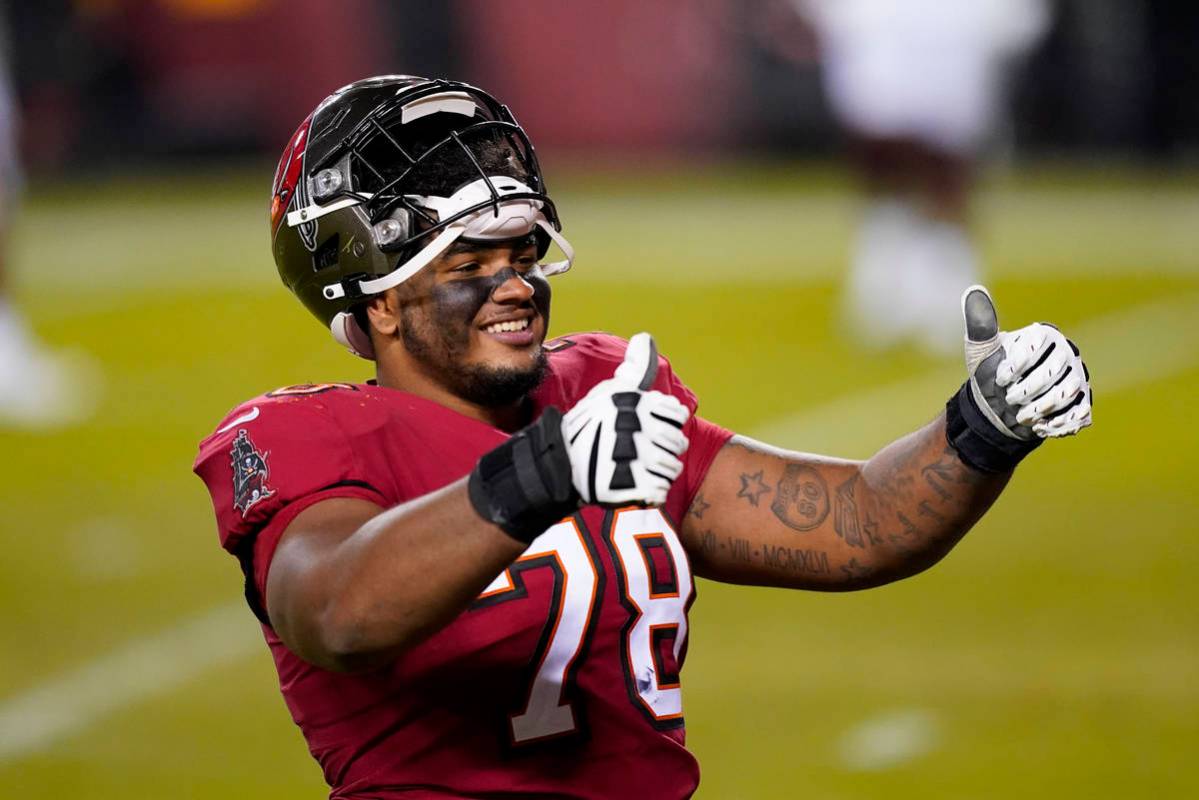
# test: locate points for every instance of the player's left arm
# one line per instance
(772, 517)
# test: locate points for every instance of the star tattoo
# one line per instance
(752, 487)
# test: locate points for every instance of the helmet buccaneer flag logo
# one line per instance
(249, 473)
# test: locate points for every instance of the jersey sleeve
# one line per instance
(267, 462)
(704, 438)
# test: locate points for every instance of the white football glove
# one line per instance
(625, 442)
(1029, 382)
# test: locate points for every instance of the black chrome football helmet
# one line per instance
(386, 174)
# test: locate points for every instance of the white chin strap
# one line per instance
(346, 332)
(510, 219)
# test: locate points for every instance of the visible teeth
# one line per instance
(508, 327)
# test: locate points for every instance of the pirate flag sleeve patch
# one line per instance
(250, 473)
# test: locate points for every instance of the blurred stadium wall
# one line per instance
(113, 82)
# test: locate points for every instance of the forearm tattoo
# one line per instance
(801, 500)
(902, 511)
(733, 548)
(797, 562)
(753, 487)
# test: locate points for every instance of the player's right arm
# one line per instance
(352, 585)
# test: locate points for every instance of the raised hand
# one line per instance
(625, 441)
(1031, 382)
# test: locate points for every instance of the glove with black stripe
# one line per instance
(625, 441)
(1025, 385)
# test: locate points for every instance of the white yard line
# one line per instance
(1124, 349)
(35, 719)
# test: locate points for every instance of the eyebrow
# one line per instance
(473, 246)
(458, 248)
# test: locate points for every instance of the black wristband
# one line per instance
(975, 438)
(524, 485)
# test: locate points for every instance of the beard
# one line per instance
(500, 386)
(440, 348)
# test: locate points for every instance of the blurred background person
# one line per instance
(919, 88)
(39, 387)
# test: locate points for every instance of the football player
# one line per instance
(474, 571)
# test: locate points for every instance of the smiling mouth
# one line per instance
(511, 326)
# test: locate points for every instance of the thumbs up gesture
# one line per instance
(626, 441)
(1029, 383)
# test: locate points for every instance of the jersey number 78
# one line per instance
(654, 586)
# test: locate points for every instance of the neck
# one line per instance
(507, 418)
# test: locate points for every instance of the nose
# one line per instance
(511, 287)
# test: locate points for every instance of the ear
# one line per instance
(383, 311)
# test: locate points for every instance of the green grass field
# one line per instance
(1054, 654)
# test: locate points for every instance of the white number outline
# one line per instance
(546, 713)
(544, 710)
(643, 525)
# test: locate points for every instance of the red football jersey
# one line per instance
(561, 680)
